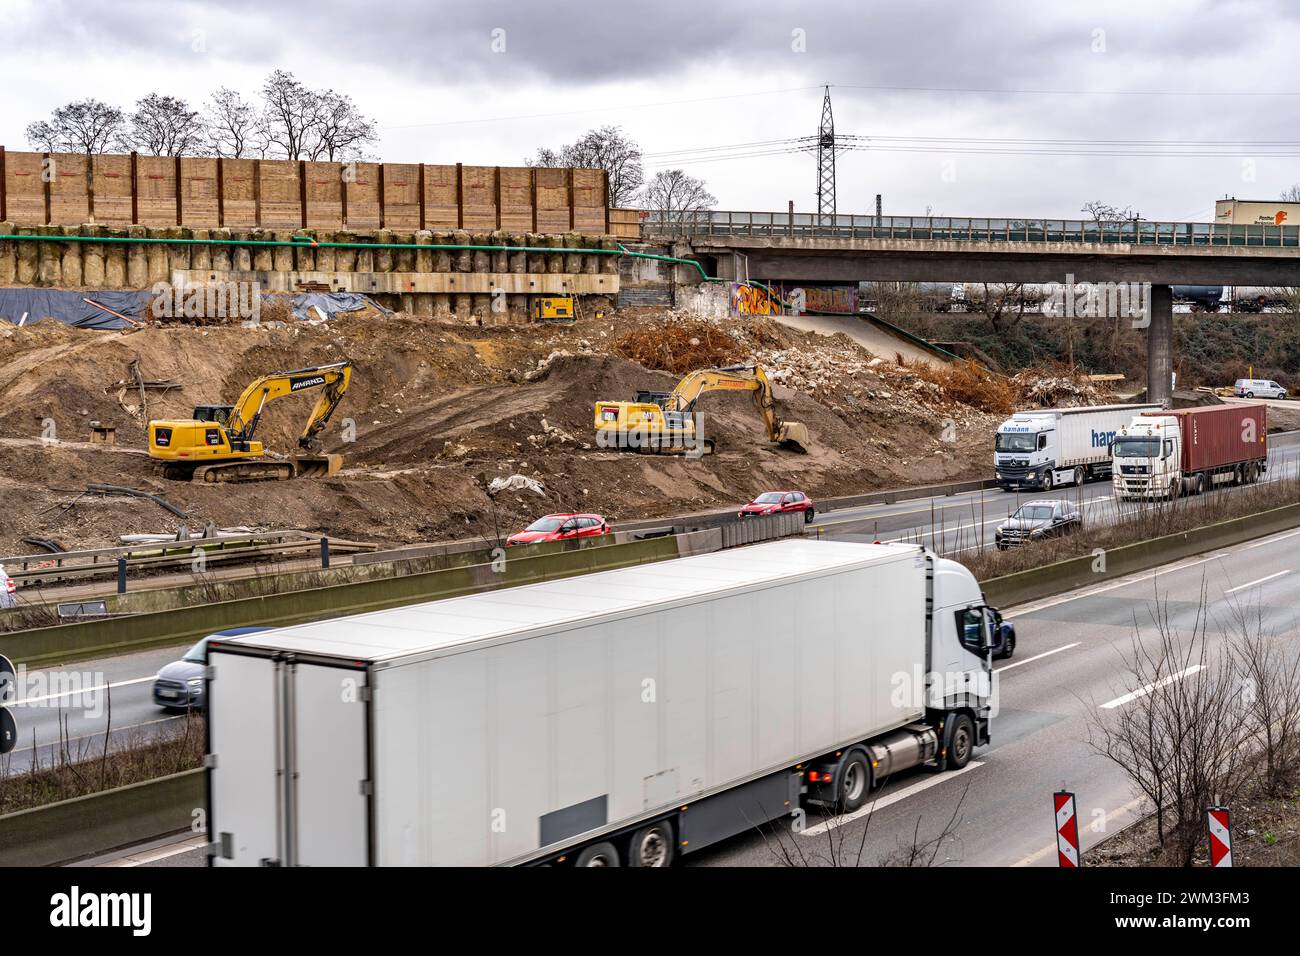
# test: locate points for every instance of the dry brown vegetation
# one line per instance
(97, 763)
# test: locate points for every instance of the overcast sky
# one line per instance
(487, 83)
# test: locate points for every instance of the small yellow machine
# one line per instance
(218, 443)
(664, 422)
(553, 307)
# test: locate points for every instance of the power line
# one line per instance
(1051, 92)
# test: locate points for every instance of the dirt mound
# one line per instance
(435, 412)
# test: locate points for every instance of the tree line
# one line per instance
(284, 120)
(288, 120)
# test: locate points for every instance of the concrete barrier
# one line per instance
(1062, 576)
(65, 642)
(100, 822)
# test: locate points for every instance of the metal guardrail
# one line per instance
(49, 568)
(765, 528)
(1141, 232)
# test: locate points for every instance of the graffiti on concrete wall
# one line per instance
(832, 298)
(750, 300)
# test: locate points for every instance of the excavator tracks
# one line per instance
(315, 466)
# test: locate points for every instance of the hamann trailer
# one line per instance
(1053, 446)
(1189, 450)
(623, 717)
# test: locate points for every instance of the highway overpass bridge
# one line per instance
(789, 247)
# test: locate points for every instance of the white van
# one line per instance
(1258, 388)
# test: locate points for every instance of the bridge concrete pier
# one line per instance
(1160, 345)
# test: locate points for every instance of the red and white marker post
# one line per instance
(1218, 820)
(1067, 829)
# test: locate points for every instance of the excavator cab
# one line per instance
(213, 413)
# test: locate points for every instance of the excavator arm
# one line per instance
(333, 379)
(750, 378)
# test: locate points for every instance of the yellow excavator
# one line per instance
(664, 422)
(218, 443)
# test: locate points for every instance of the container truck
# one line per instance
(1188, 450)
(622, 717)
(1052, 446)
(1247, 212)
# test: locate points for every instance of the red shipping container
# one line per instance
(1217, 436)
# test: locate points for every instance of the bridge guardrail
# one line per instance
(1141, 232)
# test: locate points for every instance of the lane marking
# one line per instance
(1143, 691)
(162, 853)
(1036, 657)
(889, 800)
(1251, 584)
(1096, 826)
(114, 731)
(83, 690)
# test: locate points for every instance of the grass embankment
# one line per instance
(89, 765)
(1136, 521)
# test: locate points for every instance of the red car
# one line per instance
(771, 502)
(560, 527)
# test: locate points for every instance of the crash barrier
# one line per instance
(1093, 568)
(32, 570)
(100, 822)
(715, 519)
(765, 528)
(498, 568)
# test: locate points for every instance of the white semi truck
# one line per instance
(623, 717)
(1047, 447)
(1187, 451)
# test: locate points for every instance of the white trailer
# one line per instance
(1047, 447)
(625, 716)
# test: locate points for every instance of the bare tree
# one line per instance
(85, 126)
(1003, 300)
(677, 195)
(607, 148)
(341, 129)
(290, 117)
(165, 126)
(1104, 212)
(1270, 675)
(1181, 739)
(1291, 193)
(231, 126)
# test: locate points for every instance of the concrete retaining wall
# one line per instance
(489, 287)
(100, 822)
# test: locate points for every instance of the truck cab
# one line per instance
(1146, 458)
(1025, 453)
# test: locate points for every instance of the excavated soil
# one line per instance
(436, 411)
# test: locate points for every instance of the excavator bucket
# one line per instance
(317, 466)
(794, 436)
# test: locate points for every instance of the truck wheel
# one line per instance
(854, 785)
(1048, 481)
(961, 741)
(1078, 476)
(1199, 487)
(652, 845)
(1174, 487)
(598, 854)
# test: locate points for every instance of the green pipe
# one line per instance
(305, 242)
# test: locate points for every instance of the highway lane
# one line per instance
(71, 707)
(1068, 665)
(956, 524)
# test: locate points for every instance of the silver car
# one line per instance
(182, 684)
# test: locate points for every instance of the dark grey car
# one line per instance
(182, 684)
(1035, 520)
